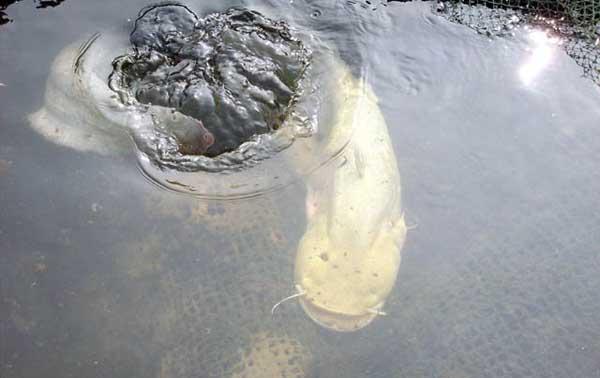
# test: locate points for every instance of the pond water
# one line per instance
(103, 273)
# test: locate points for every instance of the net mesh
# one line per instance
(577, 21)
(581, 13)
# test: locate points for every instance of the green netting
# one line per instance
(577, 21)
(580, 13)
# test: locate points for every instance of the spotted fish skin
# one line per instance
(348, 259)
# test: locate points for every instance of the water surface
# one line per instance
(104, 274)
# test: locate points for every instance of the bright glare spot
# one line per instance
(541, 55)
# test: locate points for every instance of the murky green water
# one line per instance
(104, 274)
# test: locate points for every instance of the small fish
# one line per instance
(197, 142)
(4, 166)
(192, 136)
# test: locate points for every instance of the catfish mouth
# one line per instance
(147, 103)
(337, 321)
(239, 73)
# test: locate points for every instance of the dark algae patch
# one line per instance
(39, 4)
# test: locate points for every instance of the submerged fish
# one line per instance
(348, 259)
(81, 111)
(76, 97)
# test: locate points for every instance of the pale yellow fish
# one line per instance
(348, 259)
(72, 114)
